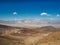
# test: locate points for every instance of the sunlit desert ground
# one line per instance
(46, 35)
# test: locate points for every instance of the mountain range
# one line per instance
(31, 23)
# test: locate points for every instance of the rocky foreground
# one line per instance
(46, 35)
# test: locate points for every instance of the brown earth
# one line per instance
(47, 35)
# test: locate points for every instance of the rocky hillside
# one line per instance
(52, 39)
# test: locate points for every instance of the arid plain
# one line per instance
(46, 35)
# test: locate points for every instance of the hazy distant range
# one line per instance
(31, 23)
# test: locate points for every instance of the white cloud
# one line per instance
(58, 15)
(51, 18)
(44, 14)
(14, 13)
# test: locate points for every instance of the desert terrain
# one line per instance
(46, 35)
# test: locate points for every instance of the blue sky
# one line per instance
(29, 9)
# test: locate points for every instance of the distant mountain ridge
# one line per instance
(31, 23)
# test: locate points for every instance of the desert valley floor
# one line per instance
(47, 35)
